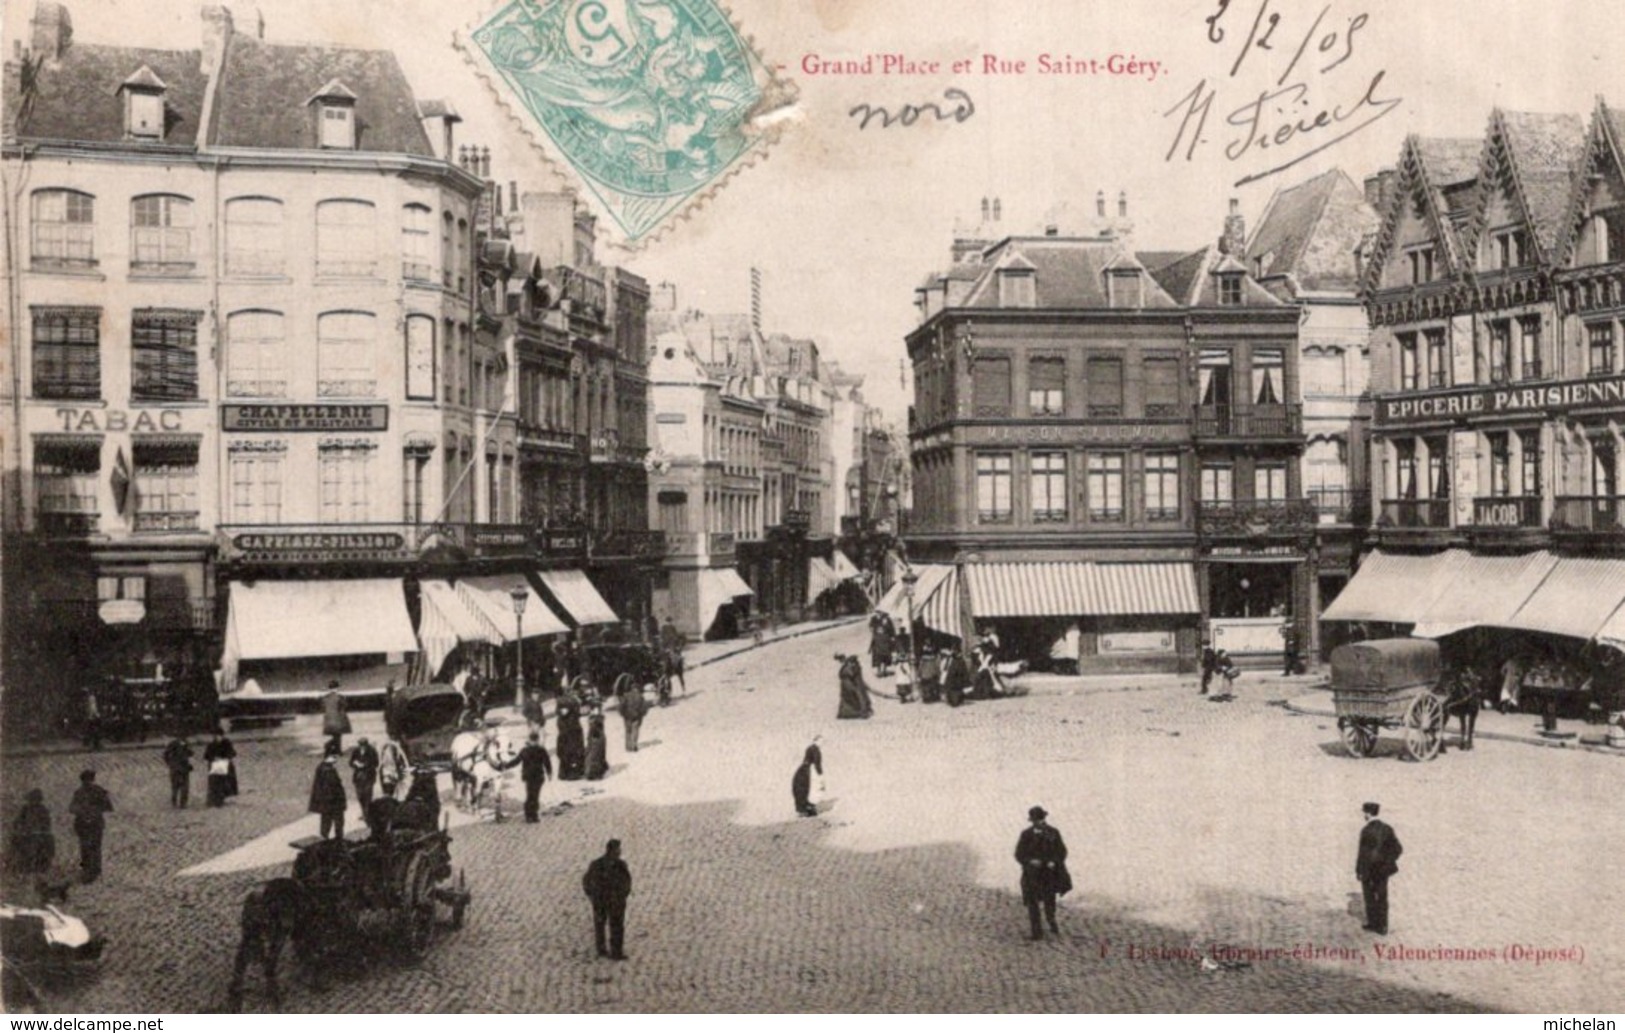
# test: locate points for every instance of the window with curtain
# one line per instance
(1529, 449)
(1213, 377)
(1438, 468)
(67, 354)
(991, 385)
(1604, 470)
(345, 366)
(165, 485)
(1161, 388)
(255, 245)
(1500, 345)
(66, 474)
(1269, 365)
(346, 244)
(64, 225)
(256, 355)
(1218, 482)
(417, 262)
(1438, 358)
(1529, 347)
(1162, 485)
(1406, 456)
(993, 503)
(1106, 486)
(1408, 368)
(1046, 386)
(1269, 482)
(163, 355)
(1048, 485)
(1104, 376)
(1600, 347)
(1500, 465)
(161, 234)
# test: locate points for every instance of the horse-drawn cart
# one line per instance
(617, 667)
(1389, 683)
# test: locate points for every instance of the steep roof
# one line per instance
(1177, 276)
(1069, 274)
(1544, 150)
(1309, 232)
(76, 97)
(265, 90)
(1441, 172)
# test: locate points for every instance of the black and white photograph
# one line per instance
(628, 507)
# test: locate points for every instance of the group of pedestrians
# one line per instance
(375, 773)
(219, 761)
(32, 850)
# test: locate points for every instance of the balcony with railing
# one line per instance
(1254, 517)
(534, 435)
(627, 544)
(1249, 421)
(166, 521)
(1414, 513)
(67, 524)
(1506, 511)
(1589, 515)
(1341, 505)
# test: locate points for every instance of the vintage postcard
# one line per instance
(732, 506)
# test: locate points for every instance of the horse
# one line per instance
(478, 762)
(273, 913)
(1464, 694)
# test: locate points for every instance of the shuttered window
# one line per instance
(992, 386)
(1104, 377)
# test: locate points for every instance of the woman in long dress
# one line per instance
(855, 701)
(572, 747)
(220, 756)
(597, 762)
(881, 642)
(801, 783)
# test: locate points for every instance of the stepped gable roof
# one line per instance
(77, 97)
(1069, 274)
(1309, 232)
(265, 90)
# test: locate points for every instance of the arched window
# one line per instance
(64, 229)
(254, 240)
(161, 234)
(346, 243)
(345, 366)
(417, 260)
(256, 355)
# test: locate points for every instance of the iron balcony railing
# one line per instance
(1507, 511)
(1602, 514)
(1342, 505)
(166, 521)
(621, 543)
(1249, 421)
(1254, 516)
(68, 524)
(1414, 513)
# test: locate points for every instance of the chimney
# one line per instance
(984, 209)
(1122, 204)
(217, 30)
(53, 31)
(513, 195)
(1379, 188)
(1100, 204)
(1052, 230)
(259, 24)
(1234, 239)
(995, 209)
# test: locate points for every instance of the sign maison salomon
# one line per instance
(304, 417)
(1502, 400)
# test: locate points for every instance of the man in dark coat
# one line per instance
(801, 782)
(1041, 852)
(1375, 864)
(178, 759)
(33, 845)
(956, 679)
(364, 771)
(89, 807)
(608, 882)
(327, 796)
(633, 707)
(535, 767)
(1210, 664)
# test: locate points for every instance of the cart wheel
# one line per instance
(1424, 727)
(1359, 738)
(461, 906)
(417, 905)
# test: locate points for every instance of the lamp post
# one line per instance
(519, 595)
(910, 579)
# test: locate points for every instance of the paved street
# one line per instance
(1189, 822)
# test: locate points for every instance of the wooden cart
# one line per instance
(1389, 683)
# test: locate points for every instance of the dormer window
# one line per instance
(1017, 288)
(143, 95)
(1509, 249)
(1230, 289)
(1124, 288)
(334, 106)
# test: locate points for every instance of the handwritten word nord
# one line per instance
(961, 108)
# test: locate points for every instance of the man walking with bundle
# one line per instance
(1041, 852)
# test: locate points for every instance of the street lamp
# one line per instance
(519, 595)
(910, 579)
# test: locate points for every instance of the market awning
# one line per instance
(1576, 598)
(820, 578)
(577, 595)
(447, 620)
(1063, 588)
(1392, 588)
(929, 578)
(1482, 591)
(492, 598)
(1612, 633)
(845, 568)
(281, 620)
(718, 588)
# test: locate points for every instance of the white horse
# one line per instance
(479, 760)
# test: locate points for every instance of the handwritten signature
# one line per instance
(1280, 115)
(960, 108)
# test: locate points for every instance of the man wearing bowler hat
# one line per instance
(1041, 852)
(1376, 863)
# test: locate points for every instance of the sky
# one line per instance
(844, 222)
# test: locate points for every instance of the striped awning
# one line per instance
(820, 578)
(930, 578)
(844, 567)
(445, 621)
(1072, 588)
(1482, 591)
(492, 598)
(1392, 588)
(1576, 598)
(1612, 633)
(576, 594)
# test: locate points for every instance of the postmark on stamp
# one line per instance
(650, 103)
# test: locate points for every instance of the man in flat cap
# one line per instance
(1376, 863)
(1041, 852)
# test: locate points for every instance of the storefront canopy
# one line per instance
(577, 595)
(1482, 591)
(1612, 633)
(935, 600)
(1077, 589)
(820, 578)
(492, 598)
(1392, 588)
(718, 588)
(1576, 598)
(447, 620)
(844, 567)
(282, 620)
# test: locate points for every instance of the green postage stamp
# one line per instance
(650, 103)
